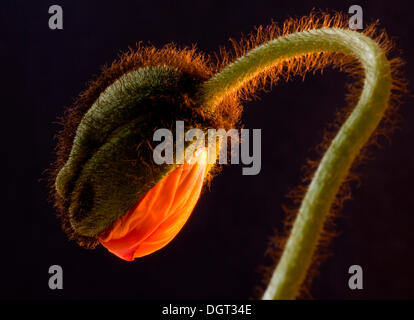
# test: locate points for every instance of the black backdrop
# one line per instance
(219, 250)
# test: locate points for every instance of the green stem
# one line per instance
(334, 166)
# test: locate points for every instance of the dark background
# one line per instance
(219, 250)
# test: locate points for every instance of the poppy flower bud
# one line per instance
(107, 185)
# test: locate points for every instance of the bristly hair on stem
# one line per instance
(302, 45)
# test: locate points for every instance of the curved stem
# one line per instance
(334, 166)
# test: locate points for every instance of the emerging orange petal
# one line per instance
(160, 214)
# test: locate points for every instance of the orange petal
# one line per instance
(160, 214)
